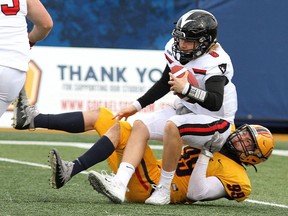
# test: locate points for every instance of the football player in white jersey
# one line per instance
(202, 110)
(15, 43)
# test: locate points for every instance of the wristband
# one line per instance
(196, 93)
(137, 105)
(186, 89)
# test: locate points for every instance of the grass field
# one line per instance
(25, 190)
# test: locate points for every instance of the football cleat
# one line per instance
(61, 170)
(161, 196)
(24, 114)
(108, 186)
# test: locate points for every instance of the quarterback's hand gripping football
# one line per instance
(125, 112)
(213, 145)
(178, 83)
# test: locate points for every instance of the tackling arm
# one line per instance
(203, 188)
(200, 187)
(158, 90)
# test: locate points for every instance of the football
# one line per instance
(179, 72)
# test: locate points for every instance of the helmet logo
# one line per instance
(185, 22)
(185, 17)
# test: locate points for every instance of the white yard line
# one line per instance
(280, 152)
(24, 163)
(87, 145)
(29, 163)
(84, 172)
(267, 203)
(46, 143)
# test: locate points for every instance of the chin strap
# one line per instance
(248, 164)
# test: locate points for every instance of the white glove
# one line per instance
(213, 145)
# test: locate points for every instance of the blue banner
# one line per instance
(254, 33)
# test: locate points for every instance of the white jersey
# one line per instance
(14, 42)
(207, 65)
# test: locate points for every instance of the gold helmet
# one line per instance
(260, 149)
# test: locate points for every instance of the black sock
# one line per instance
(70, 122)
(100, 151)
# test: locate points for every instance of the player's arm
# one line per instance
(203, 188)
(41, 20)
(212, 97)
(158, 90)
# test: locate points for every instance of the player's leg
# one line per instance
(63, 171)
(133, 153)
(100, 182)
(140, 184)
(11, 82)
(145, 177)
(194, 130)
(27, 117)
(171, 153)
(150, 127)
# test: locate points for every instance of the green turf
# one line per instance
(24, 190)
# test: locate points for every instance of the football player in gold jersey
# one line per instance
(214, 175)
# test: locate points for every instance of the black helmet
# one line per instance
(197, 25)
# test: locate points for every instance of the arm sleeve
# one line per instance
(203, 188)
(158, 90)
(215, 93)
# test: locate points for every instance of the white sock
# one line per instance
(166, 178)
(125, 172)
